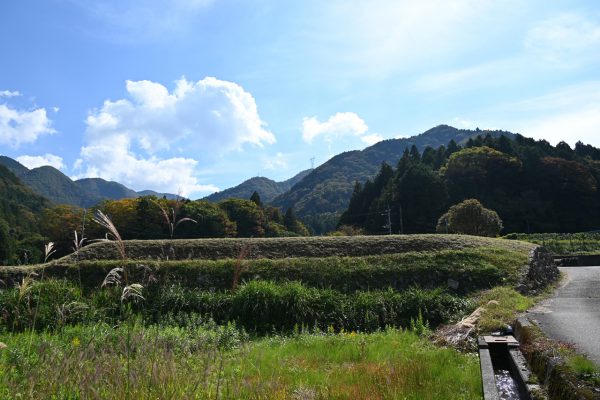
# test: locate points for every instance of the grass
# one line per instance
(501, 305)
(260, 307)
(277, 248)
(207, 363)
(472, 268)
(563, 243)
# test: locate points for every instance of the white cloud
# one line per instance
(23, 126)
(277, 162)
(379, 37)
(40, 161)
(8, 93)
(372, 138)
(339, 124)
(565, 39)
(126, 138)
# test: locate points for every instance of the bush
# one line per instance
(470, 218)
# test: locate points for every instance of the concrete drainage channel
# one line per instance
(504, 369)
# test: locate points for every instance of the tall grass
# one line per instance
(219, 362)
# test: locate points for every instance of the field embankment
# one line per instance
(341, 317)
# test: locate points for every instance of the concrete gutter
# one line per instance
(517, 363)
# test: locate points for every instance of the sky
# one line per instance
(195, 96)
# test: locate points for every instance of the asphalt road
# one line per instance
(573, 313)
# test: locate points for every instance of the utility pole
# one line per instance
(389, 220)
(401, 222)
(312, 163)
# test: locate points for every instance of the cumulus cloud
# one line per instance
(40, 161)
(8, 93)
(371, 139)
(210, 117)
(23, 126)
(339, 124)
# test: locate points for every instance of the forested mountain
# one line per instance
(57, 187)
(267, 188)
(533, 186)
(328, 188)
(52, 184)
(19, 214)
(105, 189)
(169, 196)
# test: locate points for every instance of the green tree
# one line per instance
(247, 215)
(6, 243)
(470, 218)
(212, 221)
(256, 199)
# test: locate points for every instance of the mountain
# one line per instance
(58, 188)
(169, 196)
(327, 188)
(55, 186)
(105, 189)
(19, 205)
(267, 188)
(14, 166)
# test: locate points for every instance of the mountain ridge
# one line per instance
(57, 187)
(327, 189)
(267, 188)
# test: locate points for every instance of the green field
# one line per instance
(289, 318)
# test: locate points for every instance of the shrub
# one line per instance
(470, 218)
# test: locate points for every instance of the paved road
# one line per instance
(573, 313)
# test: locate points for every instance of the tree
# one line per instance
(290, 220)
(256, 199)
(247, 215)
(6, 243)
(212, 221)
(470, 218)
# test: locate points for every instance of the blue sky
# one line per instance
(195, 95)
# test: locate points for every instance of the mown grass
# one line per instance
(276, 248)
(157, 362)
(471, 268)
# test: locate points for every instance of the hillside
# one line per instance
(267, 188)
(18, 204)
(105, 189)
(58, 188)
(55, 186)
(14, 166)
(327, 189)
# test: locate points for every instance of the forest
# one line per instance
(532, 185)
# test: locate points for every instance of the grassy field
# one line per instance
(277, 248)
(563, 243)
(295, 318)
(208, 363)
